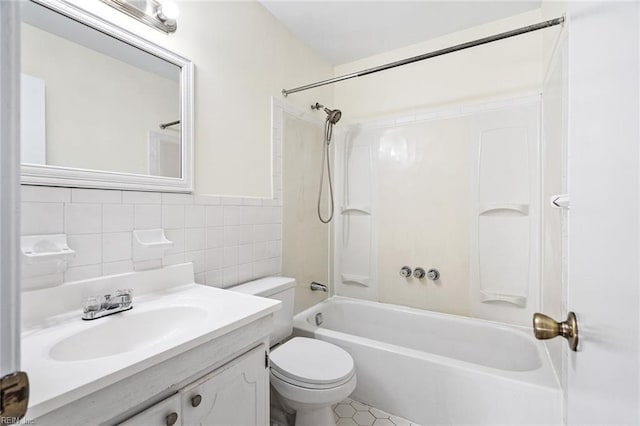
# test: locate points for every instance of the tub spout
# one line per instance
(319, 287)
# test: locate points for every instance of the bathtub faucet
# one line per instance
(319, 287)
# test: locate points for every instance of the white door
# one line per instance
(13, 395)
(603, 376)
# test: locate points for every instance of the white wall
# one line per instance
(497, 70)
(305, 239)
(99, 110)
(424, 195)
(242, 57)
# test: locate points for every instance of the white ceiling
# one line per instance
(343, 31)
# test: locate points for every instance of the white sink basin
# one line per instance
(127, 331)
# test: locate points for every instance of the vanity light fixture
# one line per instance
(168, 12)
(158, 14)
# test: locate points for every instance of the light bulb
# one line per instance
(168, 11)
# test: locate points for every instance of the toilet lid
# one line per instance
(311, 361)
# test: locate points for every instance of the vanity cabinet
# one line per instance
(235, 394)
(158, 414)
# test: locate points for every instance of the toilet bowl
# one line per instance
(308, 375)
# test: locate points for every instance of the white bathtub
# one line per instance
(439, 369)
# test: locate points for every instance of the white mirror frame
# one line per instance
(34, 174)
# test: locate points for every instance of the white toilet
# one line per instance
(309, 375)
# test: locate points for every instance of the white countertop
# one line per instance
(54, 382)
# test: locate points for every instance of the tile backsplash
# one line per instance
(229, 240)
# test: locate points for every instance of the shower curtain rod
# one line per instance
(406, 61)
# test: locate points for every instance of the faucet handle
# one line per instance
(419, 273)
(433, 274)
(405, 272)
(91, 304)
(126, 294)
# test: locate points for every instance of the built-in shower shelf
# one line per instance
(355, 279)
(489, 296)
(356, 209)
(496, 208)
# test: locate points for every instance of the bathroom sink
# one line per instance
(126, 332)
(68, 358)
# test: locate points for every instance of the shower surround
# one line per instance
(456, 190)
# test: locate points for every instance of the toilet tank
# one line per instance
(278, 288)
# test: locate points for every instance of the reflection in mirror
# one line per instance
(91, 101)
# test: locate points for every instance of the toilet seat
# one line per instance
(313, 386)
(317, 397)
(311, 363)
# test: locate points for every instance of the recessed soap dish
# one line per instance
(45, 248)
(150, 244)
(44, 259)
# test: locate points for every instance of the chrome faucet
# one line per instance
(319, 287)
(433, 274)
(405, 272)
(94, 307)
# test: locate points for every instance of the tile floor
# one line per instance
(354, 413)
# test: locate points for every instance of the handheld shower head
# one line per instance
(333, 115)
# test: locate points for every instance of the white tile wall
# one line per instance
(147, 216)
(42, 218)
(117, 217)
(81, 218)
(229, 240)
(116, 246)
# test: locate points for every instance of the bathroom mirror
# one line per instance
(101, 107)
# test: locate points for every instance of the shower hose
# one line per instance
(328, 133)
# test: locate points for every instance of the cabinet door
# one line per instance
(164, 413)
(234, 395)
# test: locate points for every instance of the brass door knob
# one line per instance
(545, 327)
